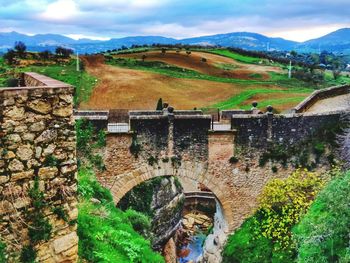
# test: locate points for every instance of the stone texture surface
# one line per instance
(28, 135)
(184, 146)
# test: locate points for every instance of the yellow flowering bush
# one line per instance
(283, 202)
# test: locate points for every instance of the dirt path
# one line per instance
(210, 67)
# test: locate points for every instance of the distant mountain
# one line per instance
(338, 42)
(245, 40)
(40, 41)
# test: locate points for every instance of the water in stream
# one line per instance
(194, 248)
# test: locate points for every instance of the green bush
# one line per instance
(105, 233)
(246, 247)
(140, 222)
(28, 254)
(323, 235)
(2, 253)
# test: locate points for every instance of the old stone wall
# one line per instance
(257, 131)
(318, 95)
(38, 144)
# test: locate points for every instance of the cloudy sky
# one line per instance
(101, 19)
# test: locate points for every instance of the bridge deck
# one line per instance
(341, 102)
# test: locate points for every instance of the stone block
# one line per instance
(63, 112)
(22, 175)
(15, 165)
(48, 172)
(24, 152)
(39, 106)
(66, 242)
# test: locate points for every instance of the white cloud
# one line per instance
(80, 36)
(61, 10)
(305, 33)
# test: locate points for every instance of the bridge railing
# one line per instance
(118, 127)
(217, 126)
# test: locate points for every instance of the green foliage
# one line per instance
(85, 132)
(139, 221)
(2, 253)
(105, 233)
(233, 159)
(283, 202)
(140, 197)
(51, 161)
(28, 254)
(88, 187)
(245, 247)
(275, 153)
(159, 104)
(152, 160)
(60, 213)
(40, 228)
(135, 147)
(97, 161)
(267, 236)
(323, 235)
(236, 56)
(66, 72)
(101, 139)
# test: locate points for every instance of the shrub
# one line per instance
(323, 235)
(2, 253)
(28, 254)
(233, 159)
(105, 233)
(283, 202)
(140, 222)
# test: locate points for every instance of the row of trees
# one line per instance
(20, 52)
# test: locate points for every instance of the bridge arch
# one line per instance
(125, 182)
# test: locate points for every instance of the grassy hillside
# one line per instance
(212, 78)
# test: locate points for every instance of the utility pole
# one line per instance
(78, 68)
(290, 69)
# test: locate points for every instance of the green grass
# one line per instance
(225, 66)
(275, 102)
(238, 100)
(235, 56)
(105, 232)
(82, 81)
(177, 72)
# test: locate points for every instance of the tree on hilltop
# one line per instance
(20, 48)
(10, 56)
(63, 52)
(159, 104)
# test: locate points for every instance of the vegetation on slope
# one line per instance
(82, 81)
(323, 235)
(105, 232)
(267, 236)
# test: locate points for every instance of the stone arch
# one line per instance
(123, 183)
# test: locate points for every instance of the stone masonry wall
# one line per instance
(38, 142)
(257, 131)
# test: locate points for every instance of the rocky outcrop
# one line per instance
(167, 204)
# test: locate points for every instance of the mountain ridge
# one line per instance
(337, 41)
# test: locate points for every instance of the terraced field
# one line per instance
(200, 79)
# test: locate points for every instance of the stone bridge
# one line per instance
(184, 144)
(36, 121)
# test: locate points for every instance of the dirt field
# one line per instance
(210, 67)
(122, 88)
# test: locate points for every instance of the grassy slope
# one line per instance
(105, 232)
(234, 102)
(82, 81)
